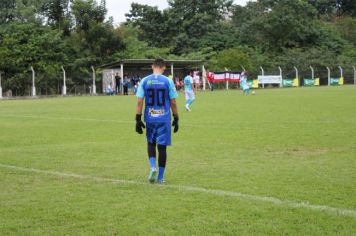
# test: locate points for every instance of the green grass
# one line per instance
(294, 145)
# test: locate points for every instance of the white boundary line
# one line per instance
(97, 120)
(191, 124)
(67, 118)
(249, 197)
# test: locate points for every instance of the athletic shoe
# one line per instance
(160, 181)
(152, 176)
(187, 107)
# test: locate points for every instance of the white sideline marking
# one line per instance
(273, 200)
(191, 124)
(68, 118)
(87, 119)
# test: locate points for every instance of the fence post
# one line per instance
(94, 78)
(281, 74)
(312, 70)
(329, 75)
(113, 82)
(33, 82)
(122, 78)
(64, 89)
(297, 75)
(263, 74)
(172, 71)
(227, 81)
(0, 86)
(203, 73)
(341, 72)
(263, 71)
(354, 74)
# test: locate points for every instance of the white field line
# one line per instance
(249, 197)
(93, 120)
(191, 124)
(68, 118)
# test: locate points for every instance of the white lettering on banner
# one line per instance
(235, 77)
(219, 77)
(271, 79)
(222, 77)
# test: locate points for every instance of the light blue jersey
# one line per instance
(158, 91)
(243, 83)
(188, 83)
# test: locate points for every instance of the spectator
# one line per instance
(126, 85)
(118, 83)
(210, 77)
(136, 87)
(109, 90)
(133, 81)
(177, 83)
(196, 78)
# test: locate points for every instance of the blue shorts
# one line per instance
(159, 133)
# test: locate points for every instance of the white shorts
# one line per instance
(189, 95)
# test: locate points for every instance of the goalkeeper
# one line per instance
(159, 95)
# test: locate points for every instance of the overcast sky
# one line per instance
(118, 8)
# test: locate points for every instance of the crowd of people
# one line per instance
(132, 82)
(197, 83)
(129, 82)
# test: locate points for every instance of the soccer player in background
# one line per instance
(196, 78)
(189, 91)
(159, 94)
(244, 85)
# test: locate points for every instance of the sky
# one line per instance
(118, 8)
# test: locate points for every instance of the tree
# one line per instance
(7, 13)
(152, 22)
(58, 15)
(192, 20)
(280, 24)
(347, 7)
(25, 45)
(87, 12)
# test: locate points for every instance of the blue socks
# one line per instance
(190, 102)
(160, 170)
(152, 162)
(161, 174)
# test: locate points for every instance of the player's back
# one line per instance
(188, 80)
(244, 84)
(156, 89)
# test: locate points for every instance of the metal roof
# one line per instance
(148, 62)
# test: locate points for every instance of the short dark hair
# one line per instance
(159, 63)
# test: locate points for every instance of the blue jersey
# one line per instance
(158, 91)
(188, 83)
(244, 84)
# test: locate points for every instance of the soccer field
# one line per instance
(282, 162)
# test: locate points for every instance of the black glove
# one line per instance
(139, 124)
(175, 123)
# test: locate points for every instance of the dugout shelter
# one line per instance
(142, 68)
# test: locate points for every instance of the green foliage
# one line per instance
(48, 34)
(347, 28)
(231, 59)
(7, 11)
(152, 22)
(77, 35)
(276, 26)
(25, 45)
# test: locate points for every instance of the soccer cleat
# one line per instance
(160, 181)
(152, 175)
(187, 107)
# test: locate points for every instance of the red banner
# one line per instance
(219, 77)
